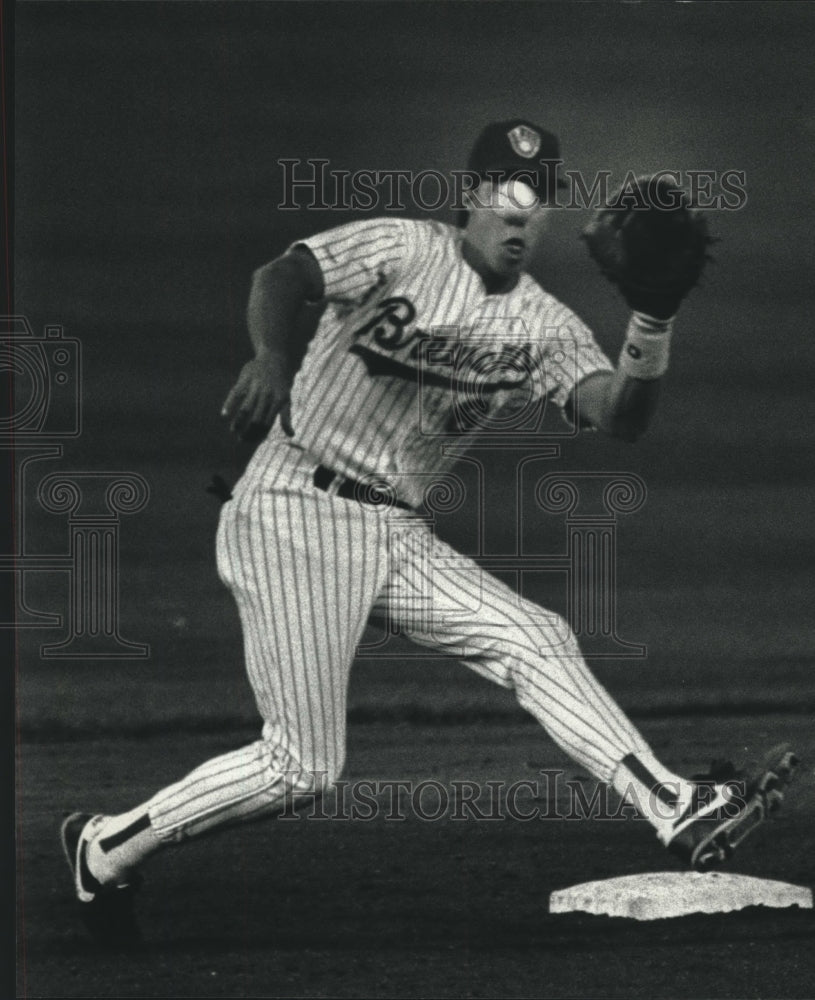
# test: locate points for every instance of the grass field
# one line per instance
(147, 185)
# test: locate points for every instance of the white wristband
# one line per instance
(646, 347)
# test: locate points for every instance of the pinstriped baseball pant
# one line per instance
(307, 570)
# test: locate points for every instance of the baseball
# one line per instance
(515, 194)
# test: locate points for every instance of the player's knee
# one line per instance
(307, 786)
(304, 774)
(557, 636)
(316, 777)
(545, 633)
(539, 641)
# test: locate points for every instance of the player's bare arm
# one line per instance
(279, 291)
(616, 403)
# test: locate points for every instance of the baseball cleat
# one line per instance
(106, 911)
(721, 816)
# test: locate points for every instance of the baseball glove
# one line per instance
(650, 243)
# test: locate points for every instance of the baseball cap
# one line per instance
(519, 148)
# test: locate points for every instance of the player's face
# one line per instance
(505, 227)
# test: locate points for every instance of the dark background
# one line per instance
(146, 189)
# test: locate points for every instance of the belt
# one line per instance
(350, 489)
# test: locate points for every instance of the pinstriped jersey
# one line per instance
(412, 352)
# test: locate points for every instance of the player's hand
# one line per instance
(260, 394)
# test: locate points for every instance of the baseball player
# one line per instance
(324, 530)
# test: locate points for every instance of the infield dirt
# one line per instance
(417, 907)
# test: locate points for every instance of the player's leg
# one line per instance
(304, 569)
(443, 600)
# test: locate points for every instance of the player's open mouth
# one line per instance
(514, 247)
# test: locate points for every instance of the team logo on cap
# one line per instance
(524, 140)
